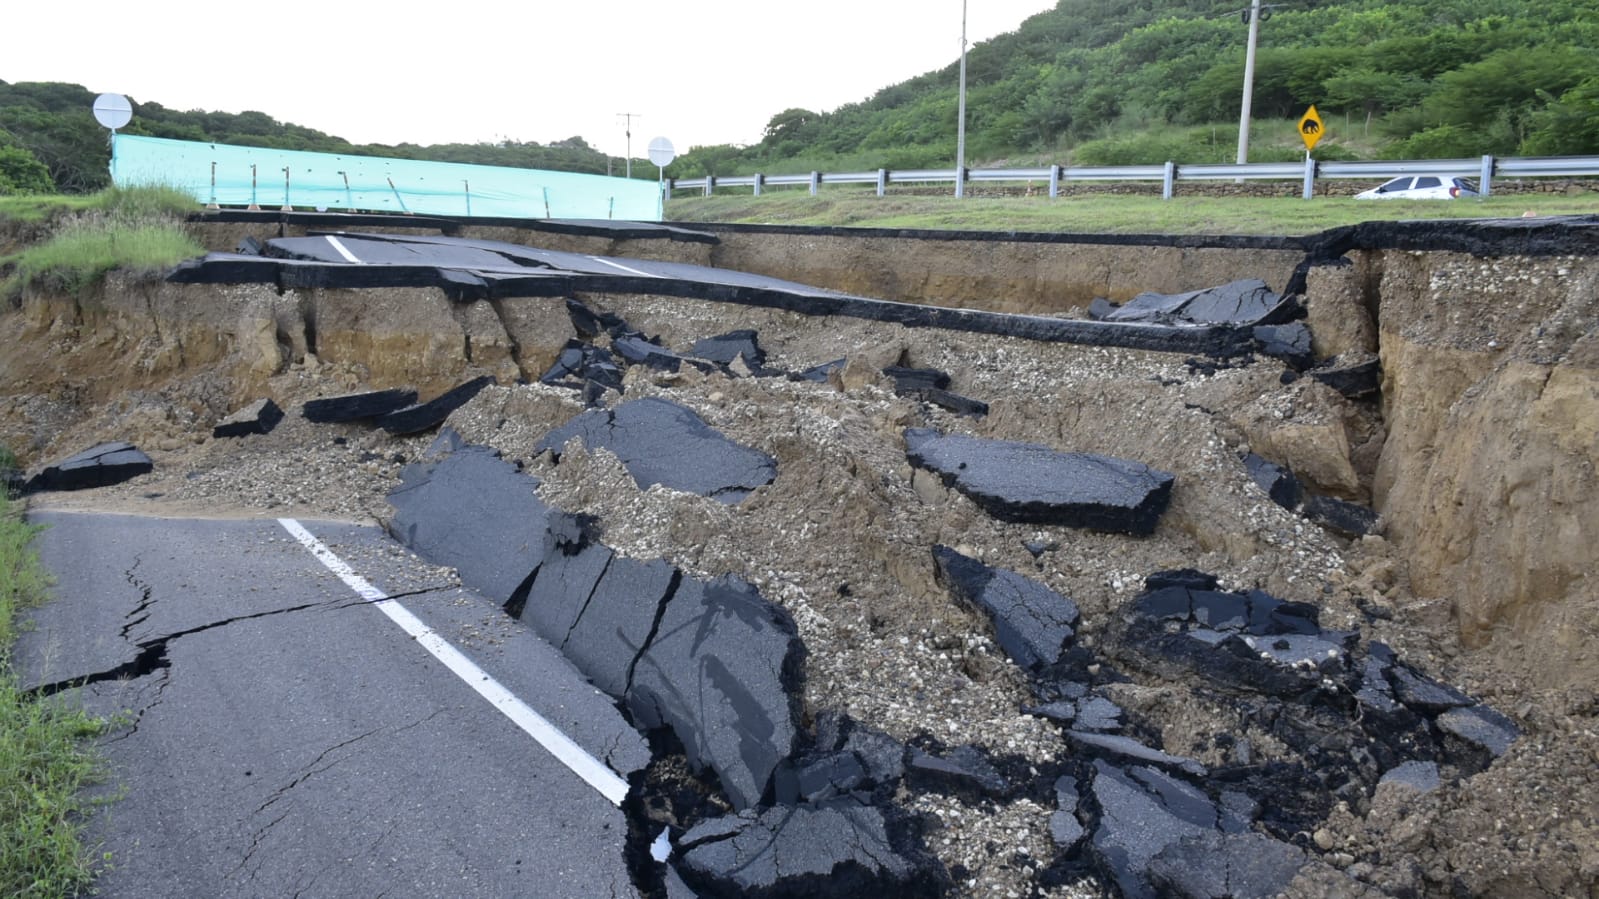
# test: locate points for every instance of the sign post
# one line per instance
(1311, 132)
(662, 153)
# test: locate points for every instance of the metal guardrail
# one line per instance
(1171, 173)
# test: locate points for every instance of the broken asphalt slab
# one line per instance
(260, 417)
(97, 466)
(661, 442)
(357, 406)
(418, 418)
(724, 670)
(835, 849)
(713, 661)
(1033, 623)
(1243, 302)
(1026, 482)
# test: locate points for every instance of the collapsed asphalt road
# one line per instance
(275, 734)
(1044, 704)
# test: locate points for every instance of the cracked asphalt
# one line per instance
(278, 736)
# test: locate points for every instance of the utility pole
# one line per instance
(1249, 82)
(960, 126)
(628, 117)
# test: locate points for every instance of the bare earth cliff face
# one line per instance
(1479, 454)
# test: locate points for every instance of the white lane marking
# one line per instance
(343, 250)
(603, 261)
(548, 735)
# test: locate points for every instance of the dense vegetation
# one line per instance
(1102, 82)
(1109, 82)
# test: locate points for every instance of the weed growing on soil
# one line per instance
(138, 229)
(44, 761)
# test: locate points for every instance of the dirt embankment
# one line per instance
(1480, 455)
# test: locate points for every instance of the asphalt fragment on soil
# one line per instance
(1026, 482)
(98, 466)
(662, 442)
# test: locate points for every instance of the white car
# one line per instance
(1421, 187)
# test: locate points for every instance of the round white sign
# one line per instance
(662, 152)
(112, 110)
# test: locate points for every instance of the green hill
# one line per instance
(1107, 82)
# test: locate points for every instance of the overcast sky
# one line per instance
(695, 71)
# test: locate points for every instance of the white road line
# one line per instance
(343, 250)
(603, 261)
(548, 735)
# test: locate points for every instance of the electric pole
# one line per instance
(628, 117)
(1249, 82)
(960, 126)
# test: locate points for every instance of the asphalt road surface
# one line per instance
(280, 734)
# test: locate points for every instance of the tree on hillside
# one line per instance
(22, 173)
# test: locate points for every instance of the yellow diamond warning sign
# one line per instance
(1310, 129)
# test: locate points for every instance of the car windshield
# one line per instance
(1396, 184)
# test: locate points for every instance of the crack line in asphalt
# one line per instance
(564, 748)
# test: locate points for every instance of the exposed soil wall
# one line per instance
(1481, 460)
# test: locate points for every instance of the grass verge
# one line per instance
(1102, 214)
(138, 229)
(45, 759)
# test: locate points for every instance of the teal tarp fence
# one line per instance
(274, 178)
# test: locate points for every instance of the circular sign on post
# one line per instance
(662, 152)
(112, 110)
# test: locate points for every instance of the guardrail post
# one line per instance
(1054, 181)
(816, 182)
(1310, 177)
(710, 184)
(1485, 180)
(760, 181)
(1167, 179)
(882, 181)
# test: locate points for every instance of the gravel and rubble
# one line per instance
(842, 539)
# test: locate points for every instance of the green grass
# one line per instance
(45, 759)
(136, 229)
(1099, 213)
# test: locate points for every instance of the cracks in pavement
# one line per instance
(152, 655)
(325, 760)
(141, 612)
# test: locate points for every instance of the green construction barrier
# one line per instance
(227, 175)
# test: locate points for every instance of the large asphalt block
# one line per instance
(357, 406)
(431, 414)
(1025, 482)
(1033, 623)
(475, 512)
(664, 443)
(834, 849)
(724, 672)
(98, 466)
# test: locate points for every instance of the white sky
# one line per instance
(696, 71)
